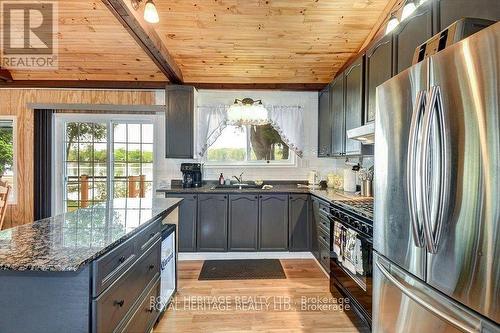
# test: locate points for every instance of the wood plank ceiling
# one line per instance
(93, 45)
(265, 41)
(246, 42)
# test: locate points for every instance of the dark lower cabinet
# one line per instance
(299, 222)
(187, 221)
(273, 222)
(411, 33)
(449, 11)
(212, 222)
(314, 228)
(243, 222)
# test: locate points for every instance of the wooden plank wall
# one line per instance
(15, 101)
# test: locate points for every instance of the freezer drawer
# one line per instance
(403, 303)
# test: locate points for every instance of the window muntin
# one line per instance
(108, 159)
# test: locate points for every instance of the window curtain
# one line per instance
(288, 121)
(43, 163)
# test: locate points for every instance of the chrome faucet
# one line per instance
(239, 179)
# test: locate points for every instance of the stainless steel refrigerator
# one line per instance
(437, 202)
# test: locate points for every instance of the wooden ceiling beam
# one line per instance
(84, 84)
(5, 75)
(260, 86)
(146, 37)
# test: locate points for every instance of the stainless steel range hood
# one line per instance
(365, 134)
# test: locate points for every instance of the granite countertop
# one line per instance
(327, 194)
(288, 188)
(69, 241)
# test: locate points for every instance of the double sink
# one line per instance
(239, 186)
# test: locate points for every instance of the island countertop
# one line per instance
(68, 241)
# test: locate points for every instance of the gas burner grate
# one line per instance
(363, 207)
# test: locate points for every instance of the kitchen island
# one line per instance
(92, 270)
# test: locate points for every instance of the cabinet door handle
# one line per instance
(122, 259)
(119, 303)
(149, 310)
(151, 267)
(256, 197)
(194, 196)
(151, 235)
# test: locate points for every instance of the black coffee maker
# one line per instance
(191, 175)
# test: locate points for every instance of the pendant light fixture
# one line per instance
(408, 9)
(392, 24)
(247, 112)
(150, 11)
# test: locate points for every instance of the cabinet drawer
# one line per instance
(324, 256)
(148, 236)
(145, 314)
(324, 223)
(109, 267)
(324, 236)
(112, 306)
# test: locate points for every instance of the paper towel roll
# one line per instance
(349, 180)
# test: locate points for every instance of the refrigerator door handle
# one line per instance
(433, 218)
(449, 312)
(411, 170)
(445, 172)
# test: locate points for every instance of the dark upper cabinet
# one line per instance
(179, 129)
(449, 11)
(212, 222)
(273, 222)
(324, 124)
(378, 69)
(411, 33)
(299, 222)
(187, 221)
(338, 118)
(243, 222)
(354, 103)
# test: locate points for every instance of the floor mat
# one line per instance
(247, 269)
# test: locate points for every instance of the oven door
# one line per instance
(351, 266)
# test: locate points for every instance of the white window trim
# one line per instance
(60, 120)
(13, 198)
(291, 163)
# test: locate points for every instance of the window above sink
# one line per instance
(259, 145)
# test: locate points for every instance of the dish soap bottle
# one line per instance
(221, 179)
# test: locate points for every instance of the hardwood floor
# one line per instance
(289, 305)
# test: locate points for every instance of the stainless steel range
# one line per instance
(351, 253)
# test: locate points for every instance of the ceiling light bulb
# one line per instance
(150, 12)
(408, 9)
(392, 24)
